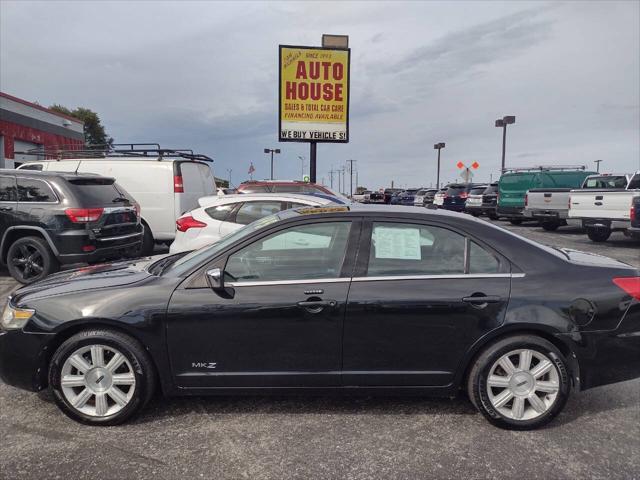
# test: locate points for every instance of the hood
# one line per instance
(104, 275)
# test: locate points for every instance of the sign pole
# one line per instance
(312, 161)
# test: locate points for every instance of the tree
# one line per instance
(95, 136)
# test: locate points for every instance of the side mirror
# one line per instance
(214, 278)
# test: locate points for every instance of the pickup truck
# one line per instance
(604, 204)
(361, 197)
(634, 215)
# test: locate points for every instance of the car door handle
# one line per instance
(312, 304)
(482, 299)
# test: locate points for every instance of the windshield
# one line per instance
(606, 181)
(193, 259)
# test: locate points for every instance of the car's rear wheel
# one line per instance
(598, 234)
(101, 377)
(550, 226)
(493, 216)
(520, 382)
(30, 259)
(148, 242)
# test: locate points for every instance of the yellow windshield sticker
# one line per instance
(316, 210)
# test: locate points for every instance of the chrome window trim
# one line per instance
(373, 279)
(287, 282)
(439, 277)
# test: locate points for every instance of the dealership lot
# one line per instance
(332, 437)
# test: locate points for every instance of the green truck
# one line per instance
(514, 184)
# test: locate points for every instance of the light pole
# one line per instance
(502, 123)
(302, 159)
(271, 151)
(597, 162)
(438, 146)
(331, 177)
(229, 170)
(343, 170)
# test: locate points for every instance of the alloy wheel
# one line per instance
(97, 380)
(523, 384)
(28, 261)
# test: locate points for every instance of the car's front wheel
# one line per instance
(101, 377)
(519, 382)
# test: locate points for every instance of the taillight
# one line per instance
(632, 213)
(136, 206)
(83, 215)
(178, 186)
(464, 195)
(631, 285)
(526, 199)
(185, 223)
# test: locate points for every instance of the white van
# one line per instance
(165, 187)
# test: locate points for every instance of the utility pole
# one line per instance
(229, 170)
(597, 162)
(351, 175)
(344, 169)
(331, 177)
(302, 166)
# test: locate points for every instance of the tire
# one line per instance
(550, 226)
(493, 216)
(488, 398)
(30, 259)
(598, 234)
(146, 248)
(119, 400)
(515, 221)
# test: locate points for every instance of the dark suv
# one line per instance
(456, 196)
(53, 218)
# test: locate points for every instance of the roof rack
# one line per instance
(541, 168)
(115, 150)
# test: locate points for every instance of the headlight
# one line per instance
(15, 318)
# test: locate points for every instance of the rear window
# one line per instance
(635, 182)
(254, 189)
(455, 190)
(421, 193)
(491, 189)
(291, 188)
(477, 190)
(98, 191)
(606, 181)
(516, 180)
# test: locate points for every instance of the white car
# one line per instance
(219, 216)
(165, 186)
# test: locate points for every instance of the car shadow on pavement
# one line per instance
(160, 408)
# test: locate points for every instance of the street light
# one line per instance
(502, 123)
(438, 146)
(597, 162)
(271, 151)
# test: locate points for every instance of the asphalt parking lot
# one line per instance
(597, 435)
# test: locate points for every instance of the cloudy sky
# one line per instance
(204, 75)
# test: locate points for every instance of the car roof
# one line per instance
(49, 174)
(244, 197)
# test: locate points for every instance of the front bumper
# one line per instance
(23, 359)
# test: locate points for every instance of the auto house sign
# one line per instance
(314, 94)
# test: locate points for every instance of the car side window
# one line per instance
(411, 249)
(32, 190)
(634, 182)
(482, 261)
(220, 212)
(303, 252)
(8, 189)
(31, 166)
(252, 211)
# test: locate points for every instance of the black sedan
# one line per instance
(359, 299)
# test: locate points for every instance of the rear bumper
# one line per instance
(105, 248)
(633, 232)
(546, 214)
(606, 223)
(607, 357)
(511, 212)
